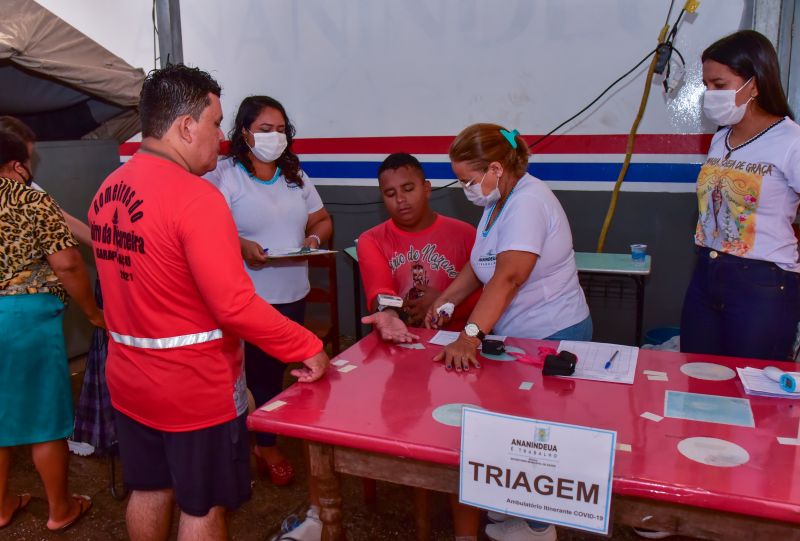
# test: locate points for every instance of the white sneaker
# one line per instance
(496, 517)
(516, 529)
(308, 530)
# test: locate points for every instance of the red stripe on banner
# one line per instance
(129, 149)
(656, 143)
(555, 144)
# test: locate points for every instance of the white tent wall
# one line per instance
(421, 67)
(393, 74)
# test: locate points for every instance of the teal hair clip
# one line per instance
(511, 137)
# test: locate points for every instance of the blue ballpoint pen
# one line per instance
(608, 363)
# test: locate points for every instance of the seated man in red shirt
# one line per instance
(178, 304)
(414, 255)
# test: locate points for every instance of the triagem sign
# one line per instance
(551, 472)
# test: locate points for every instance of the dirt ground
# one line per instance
(389, 519)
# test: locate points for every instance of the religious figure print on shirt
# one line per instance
(728, 193)
(415, 269)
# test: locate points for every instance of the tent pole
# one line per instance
(170, 40)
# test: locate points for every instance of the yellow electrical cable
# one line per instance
(612, 206)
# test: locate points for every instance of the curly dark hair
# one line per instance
(248, 111)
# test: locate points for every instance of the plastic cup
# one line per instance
(638, 253)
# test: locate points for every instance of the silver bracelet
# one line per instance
(319, 240)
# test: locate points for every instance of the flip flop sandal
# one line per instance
(21, 504)
(86, 504)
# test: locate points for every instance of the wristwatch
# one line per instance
(473, 331)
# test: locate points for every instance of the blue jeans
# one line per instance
(581, 332)
(740, 307)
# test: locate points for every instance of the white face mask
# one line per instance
(475, 194)
(720, 106)
(268, 147)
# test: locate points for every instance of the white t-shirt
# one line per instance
(532, 220)
(748, 202)
(274, 214)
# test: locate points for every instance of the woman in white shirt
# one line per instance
(744, 296)
(275, 206)
(522, 257)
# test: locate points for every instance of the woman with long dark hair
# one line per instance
(744, 296)
(274, 205)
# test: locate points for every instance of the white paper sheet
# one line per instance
(444, 338)
(757, 384)
(593, 356)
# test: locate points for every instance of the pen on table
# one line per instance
(611, 360)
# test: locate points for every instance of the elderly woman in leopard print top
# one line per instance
(39, 267)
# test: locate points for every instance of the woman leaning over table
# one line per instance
(744, 296)
(523, 259)
(274, 205)
(40, 266)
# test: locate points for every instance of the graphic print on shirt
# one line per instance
(419, 279)
(728, 193)
(117, 240)
(489, 259)
(410, 269)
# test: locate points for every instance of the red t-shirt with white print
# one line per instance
(177, 299)
(394, 262)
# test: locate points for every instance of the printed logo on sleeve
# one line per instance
(489, 259)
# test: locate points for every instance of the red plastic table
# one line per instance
(376, 421)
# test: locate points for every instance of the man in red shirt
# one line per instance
(414, 255)
(178, 303)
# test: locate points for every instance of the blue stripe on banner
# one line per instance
(586, 172)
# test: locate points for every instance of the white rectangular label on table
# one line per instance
(273, 405)
(789, 441)
(551, 472)
(526, 386)
(658, 377)
(340, 362)
(651, 416)
(594, 356)
(348, 368)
